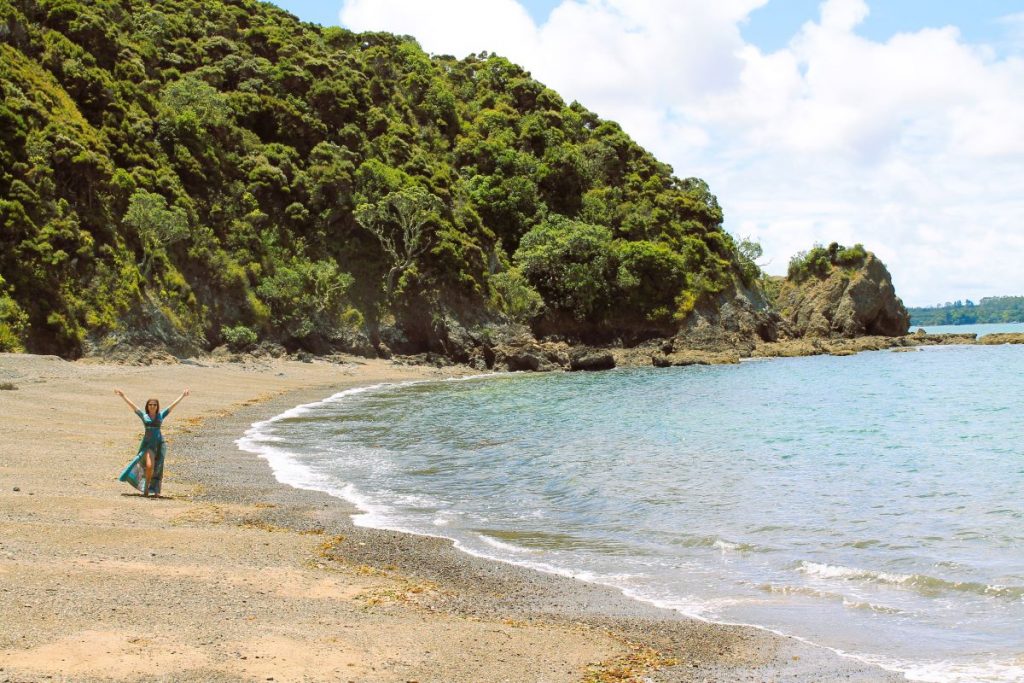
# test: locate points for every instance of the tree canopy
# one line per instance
(991, 309)
(232, 166)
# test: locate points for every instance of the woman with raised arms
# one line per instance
(146, 469)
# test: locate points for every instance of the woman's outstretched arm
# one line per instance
(177, 401)
(127, 400)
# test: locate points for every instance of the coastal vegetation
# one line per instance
(992, 309)
(821, 260)
(207, 172)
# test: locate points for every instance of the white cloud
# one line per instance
(843, 15)
(912, 146)
(456, 27)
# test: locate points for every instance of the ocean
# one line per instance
(871, 504)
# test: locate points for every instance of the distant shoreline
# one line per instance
(993, 310)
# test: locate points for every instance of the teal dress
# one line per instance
(135, 473)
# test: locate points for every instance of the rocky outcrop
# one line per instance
(591, 359)
(684, 358)
(921, 338)
(1002, 338)
(837, 346)
(736, 320)
(149, 336)
(526, 353)
(848, 302)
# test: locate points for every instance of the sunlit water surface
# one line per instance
(871, 504)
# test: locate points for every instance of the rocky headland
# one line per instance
(840, 309)
(1001, 338)
(845, 311)
(845, 303)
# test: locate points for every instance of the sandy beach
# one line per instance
(231, 576)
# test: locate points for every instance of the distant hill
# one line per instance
(993, 309)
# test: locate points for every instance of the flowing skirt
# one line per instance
(134, 474)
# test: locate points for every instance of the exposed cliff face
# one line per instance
(847, 302)
(736, 320)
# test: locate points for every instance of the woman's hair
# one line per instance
(152, 400)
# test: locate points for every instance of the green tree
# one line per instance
(156, 225)
(570, 263)
(12, 320)
(649, 277)
(307, 300)
(399, 221)
(748, 251)
(514, 296)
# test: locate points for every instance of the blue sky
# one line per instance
(772, 26)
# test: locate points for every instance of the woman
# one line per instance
(146, 470)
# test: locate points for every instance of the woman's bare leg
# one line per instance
(150, 459)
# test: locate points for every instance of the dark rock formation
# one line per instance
(846, 303)
(591, 359)
(149, 336)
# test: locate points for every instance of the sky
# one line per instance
(895, 123)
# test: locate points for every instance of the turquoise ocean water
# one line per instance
(871, 504)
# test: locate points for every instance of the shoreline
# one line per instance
(657, 611)
(369, 603)
(636, 607)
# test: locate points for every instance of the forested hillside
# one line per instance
(196, 171)
(992, 309)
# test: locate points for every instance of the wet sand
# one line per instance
(233, 576)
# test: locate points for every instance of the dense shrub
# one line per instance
(819, 261)
(12, 320)
(571, 264)
(308, 299)
(239, 338)
(649, 279)
(852, 257)
(581, 271)
(513, 295)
